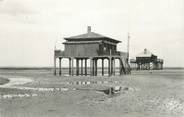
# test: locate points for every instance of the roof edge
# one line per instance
(117, 41)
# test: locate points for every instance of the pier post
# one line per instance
(109, 67)
(91, 66)
(120, 67)
(102, 67)
(60, 66)
(114, 67)
(95, 66)
(96, 73)
(85, 67)
(72, 66)
(69, 66)
(77, 66)
(81, 67)
(54, 65)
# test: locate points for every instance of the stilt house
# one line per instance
(91, 46)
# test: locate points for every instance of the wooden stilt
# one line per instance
(85, 67)
(119, 67)
(114, 67)
(102, 67)
(109, 66)
(69, 66)
(72, 66)
(54, 65)
(81, 67)
(60, 66)
(77, 66)
(91, 66)
(96, 67)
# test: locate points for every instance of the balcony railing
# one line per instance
(59, 53)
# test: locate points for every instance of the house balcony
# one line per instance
(60, 53)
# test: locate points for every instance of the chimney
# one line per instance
(145, 51)
(89, 29)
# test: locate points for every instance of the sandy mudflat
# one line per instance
(149, 94)
(3, 80)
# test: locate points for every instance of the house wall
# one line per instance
(81, 50)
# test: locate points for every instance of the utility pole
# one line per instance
(128, 46)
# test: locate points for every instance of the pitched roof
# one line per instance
(88, 35)
(91, 35)
(145, 53)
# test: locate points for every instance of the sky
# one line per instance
(30, 29)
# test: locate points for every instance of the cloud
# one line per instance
(14, 8)
(14, 11)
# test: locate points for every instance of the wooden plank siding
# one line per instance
(88, 49)
(81, 50)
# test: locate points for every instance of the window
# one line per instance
(104, 48)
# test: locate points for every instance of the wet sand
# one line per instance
(149, 94)
(3, 81)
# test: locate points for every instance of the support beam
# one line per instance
(54, 65)
(91, 66)
(149, 65)
(69, 66)
(77, 66)
(109, 67)
(81, 67)
(120, 67)
(114, 67)
(85, 67)
(139, 66)
(60, 66)
(72, 66)
(102, 67)
(96, 67)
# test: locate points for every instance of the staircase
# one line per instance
(125, 66)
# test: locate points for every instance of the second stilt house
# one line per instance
(147, 61)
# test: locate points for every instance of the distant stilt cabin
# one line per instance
(91, 46)
(146, 61)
